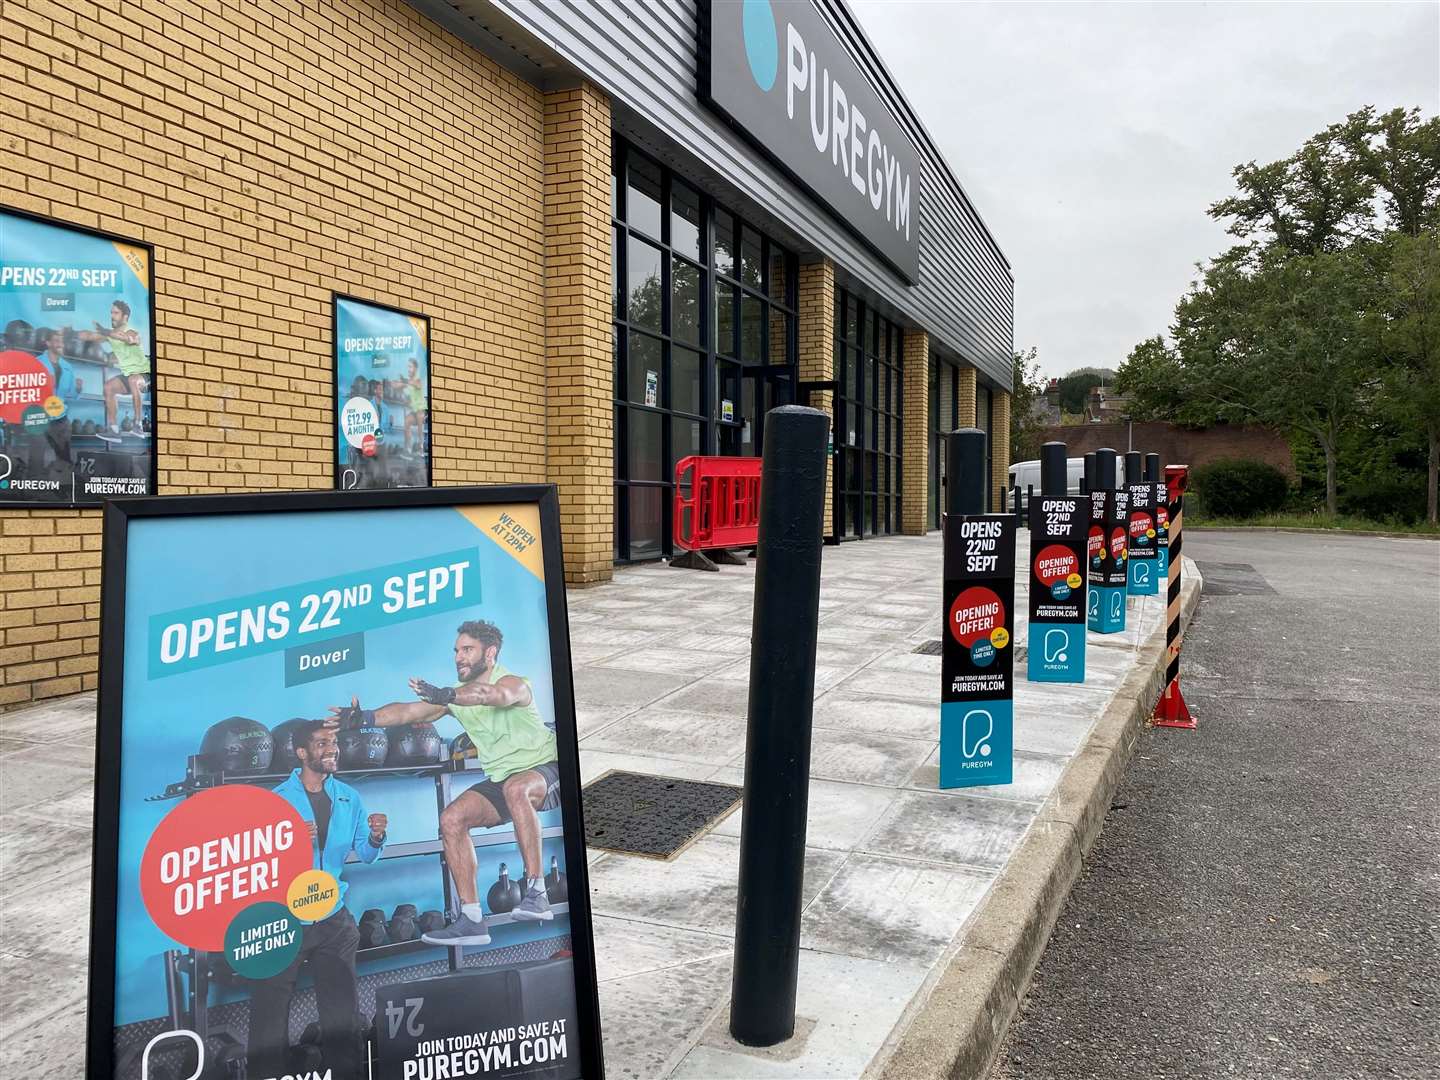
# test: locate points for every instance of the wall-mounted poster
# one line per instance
(382, 396)
(338, 792)
(77, 364)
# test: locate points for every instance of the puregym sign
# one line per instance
(779, 73)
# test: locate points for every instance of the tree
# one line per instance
(1153, 379)
(1412, 379)
(1027, 386)
(1291, 342)
(1399, 153)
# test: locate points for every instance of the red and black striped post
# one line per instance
(1170, 710)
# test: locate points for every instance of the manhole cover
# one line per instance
(1234, 579)
(654, 816)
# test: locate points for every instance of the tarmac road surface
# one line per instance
(1264, 900)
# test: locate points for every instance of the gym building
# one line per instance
(632, 229)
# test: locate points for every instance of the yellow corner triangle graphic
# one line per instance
(137, 259)
(515, 529)
(420, 331)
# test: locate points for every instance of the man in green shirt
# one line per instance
(518, 753)
(122, 343)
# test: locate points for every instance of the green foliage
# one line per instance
(1239, 488)
(1027, 386)
(1153, 378)
(1398, 497)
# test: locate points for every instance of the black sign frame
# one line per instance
(100, 1031)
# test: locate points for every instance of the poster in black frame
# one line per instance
(91, 429)
(520, 525)
(370, 452)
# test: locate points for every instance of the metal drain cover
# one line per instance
(929, 648)
(654, 816)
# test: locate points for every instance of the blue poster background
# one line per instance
(382, 356)
(93, 295)
(178, 563)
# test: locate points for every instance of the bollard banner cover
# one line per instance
(1144, 576)
(1162, 530)
(1058, 571)
(301, 697)
(1108, 550)
(977, 656)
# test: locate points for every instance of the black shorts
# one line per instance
(494, 791)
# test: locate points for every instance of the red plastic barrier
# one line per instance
(723, 507)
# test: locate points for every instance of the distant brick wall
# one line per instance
(272, 153)
(1177, 445)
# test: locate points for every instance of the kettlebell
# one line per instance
(430, 922)
(555, 887)
(504, 895)
(402, 928)
(404, 911)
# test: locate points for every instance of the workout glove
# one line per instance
(434, 695)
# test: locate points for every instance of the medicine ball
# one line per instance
(363, 748)
(237, 745)
(462, 747)
(19, 334)
(415, 744)
(283, 734)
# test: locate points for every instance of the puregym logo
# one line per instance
(839, 128)
(762, 43)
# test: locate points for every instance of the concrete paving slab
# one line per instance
(652, 1020)
(863, 757)
(845, 709)
(708, 738)
(695, 891)
(46, 773)
(959, 830)
(852, 1002)
(624, 947)
(596, 763)
(839, 816)
(892, 909)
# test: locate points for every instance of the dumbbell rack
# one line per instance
(188, 973)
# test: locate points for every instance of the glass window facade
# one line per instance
(705, 340)
(867, 420)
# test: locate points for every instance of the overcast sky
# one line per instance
(1092, 137)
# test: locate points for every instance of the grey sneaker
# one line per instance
(463, 931)
(534, 908)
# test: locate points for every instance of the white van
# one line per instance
(1026, 473)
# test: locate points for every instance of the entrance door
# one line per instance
(761, 389)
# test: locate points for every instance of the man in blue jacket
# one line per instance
(338, 825)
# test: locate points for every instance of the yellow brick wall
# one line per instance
(273, 152)
(966, 416)
(816, 334)
(915, 451)
(578, 351)
(999, 446)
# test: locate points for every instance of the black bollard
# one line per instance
(1054, 470)
(777, 740)
(1087, 483)
(965, 471)
(1152, 468)
(1134, 467)
(1104, 469)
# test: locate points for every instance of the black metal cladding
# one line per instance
(645, 57)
